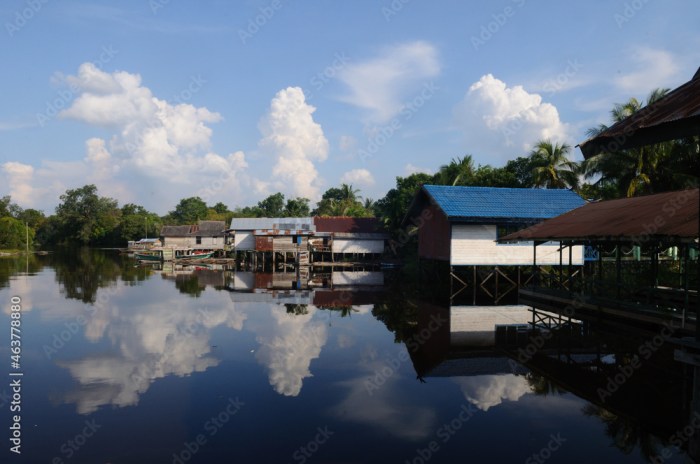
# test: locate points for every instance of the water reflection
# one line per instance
(498, 354)
(362, 352)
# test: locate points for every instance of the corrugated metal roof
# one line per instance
(674, 116)
(203, 229)
(664, 215)
(347, 224)
(473, 203)
(304, 223)
(175, 231)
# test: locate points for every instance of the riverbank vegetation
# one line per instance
(83, 217)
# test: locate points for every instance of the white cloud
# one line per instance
(655, 68)
(152, 141)
(501, 122)
(19, 177)
(358, 177)
(295, 140)
(487, 391)
(288, 343)
(381, 84)
(411, 169)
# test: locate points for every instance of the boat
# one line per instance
(198, 255)
(170, 254)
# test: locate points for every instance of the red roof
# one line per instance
(342, 224)
(670, 215)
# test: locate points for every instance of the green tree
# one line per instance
(7, 208)
(86, 217)
(13, 234)
(220, 208)
(272, 206)
(189, 211)
(665, 166)
(136, 222)
(487, 176)
(553, 169)
(32, 217)
(392, 208)
(297, 207)
(459, 171)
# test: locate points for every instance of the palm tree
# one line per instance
(553, 167)
(634, 170)
(458, 172)
(349, 194)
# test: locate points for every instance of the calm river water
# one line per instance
(128, 364)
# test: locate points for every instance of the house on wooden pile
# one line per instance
(461, 225)
(206, 235)
(348, 235)
(273, 235)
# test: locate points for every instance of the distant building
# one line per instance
(271, 234)
(349, 235)
(460, 225)
(206, 235)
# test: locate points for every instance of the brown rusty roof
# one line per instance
(674, 116)
(668, 216)
(347, 224)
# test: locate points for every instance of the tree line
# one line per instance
(86, 218)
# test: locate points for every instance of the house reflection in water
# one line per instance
(637, 387)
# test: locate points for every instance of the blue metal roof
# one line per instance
(473, 203)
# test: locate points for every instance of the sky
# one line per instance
(157, 100)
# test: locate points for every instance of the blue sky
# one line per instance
(154, 101)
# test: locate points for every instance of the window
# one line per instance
(199, 240)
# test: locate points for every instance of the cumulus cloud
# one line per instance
(19, 177)
(150, 342)
(358, 177)
(487, 391)
(500, 121)
(381, 84)
(152, 140)
(288, 343)
(295, 140)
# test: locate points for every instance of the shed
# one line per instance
(350, 234)
(461, 224)
(206, 235)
